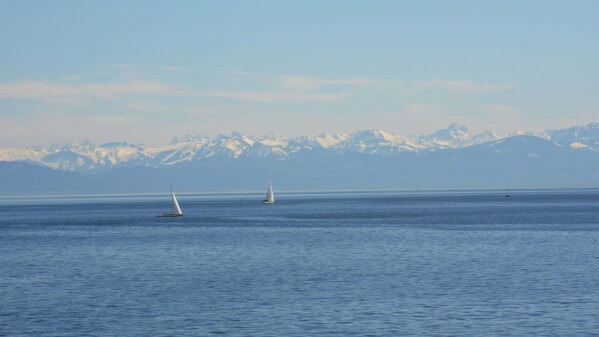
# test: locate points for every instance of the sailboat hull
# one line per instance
(169, 215)
(266, 202)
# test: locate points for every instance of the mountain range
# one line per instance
(448, 158)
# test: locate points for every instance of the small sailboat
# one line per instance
(270, 197)
(176, 209)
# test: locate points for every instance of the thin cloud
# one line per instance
(240, 73)
(123, 65)
(274, 96)
(493, 109)
(133, 87)
(301, 82)
(174, 68)
(40, 90)
(270, 89)
(314, 83)
(47, 91)
(59, 92)
(420, 108)
(190, 110)
(459, 86)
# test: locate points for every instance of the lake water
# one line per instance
(354, 264)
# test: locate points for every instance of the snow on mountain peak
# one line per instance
(374, 135)
(586, 135)
(326, 140)
(84, 146)
(454, 136)
(452, 132)
(85, 157)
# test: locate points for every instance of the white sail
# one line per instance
(176, 208)
(270, 197)
(176, 211)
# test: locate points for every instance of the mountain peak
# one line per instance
(236, 134)
(115, 144)
(374, 134)
(579, 136)
(457, 127)
(453, 131)
(85, 157)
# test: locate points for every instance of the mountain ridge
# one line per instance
(365, 160)
(87, 158)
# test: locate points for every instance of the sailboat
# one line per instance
(270, 197)
(176, 209)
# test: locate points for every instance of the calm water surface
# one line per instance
(426, 264)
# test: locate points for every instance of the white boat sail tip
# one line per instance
(176, 211)
(270, 197)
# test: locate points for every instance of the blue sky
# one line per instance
(146, 71)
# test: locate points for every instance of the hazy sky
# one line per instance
(146, 71)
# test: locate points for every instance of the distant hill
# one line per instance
(27, 178)
(449, 158)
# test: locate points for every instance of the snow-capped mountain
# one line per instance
(85, 157)
(455, 136)
(577, 137)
